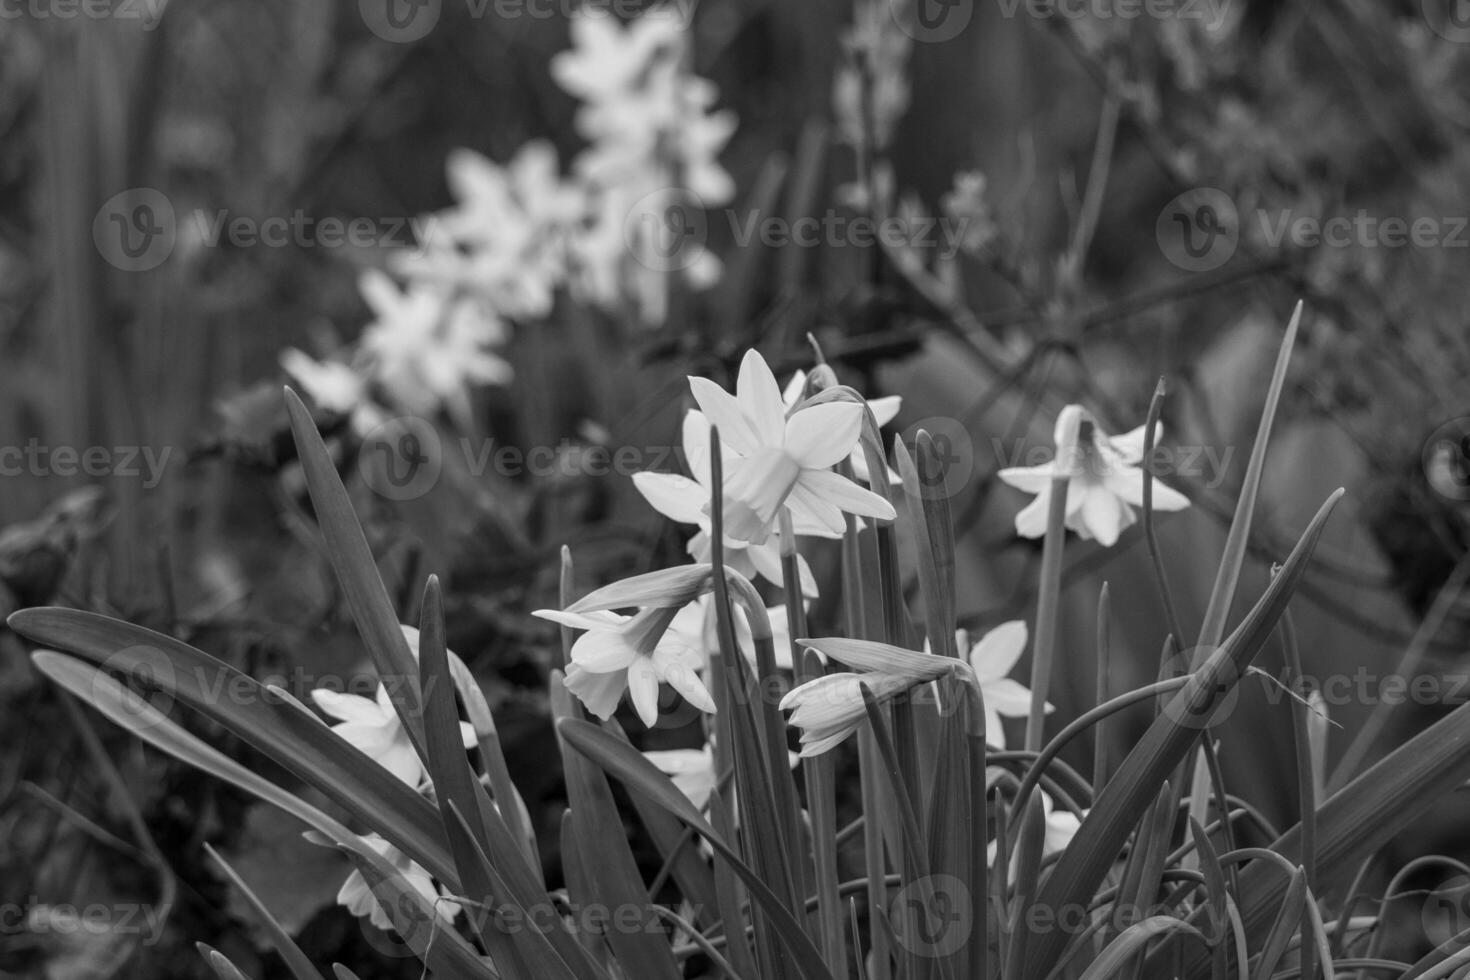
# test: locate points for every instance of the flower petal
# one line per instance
(1105, 515)
(1129, 445)
(348, 707)
(676, 497)
(600, 693)
(760, 398)
(723, 412)
(643, 690)
(823, 435)
(1031, 479)
(811, 510)
(603, 651)
(885, 409)
(998, 650)
(597, 620)
(837, 489)
(1031, 519)
(1008, 697)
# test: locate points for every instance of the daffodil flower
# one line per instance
(992, 658)
(334, 386)
(784, 461)
(633, 653)
(1104, 483)
(373, 726)
(828, 709)
(359, 899)
(884, 410)
(684, 500)
(692, 771)
(695, 625)
(428, 344)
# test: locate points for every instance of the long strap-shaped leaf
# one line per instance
(118, 704)
(623, 762)
(357, 571)
(1360, 818)
(241, 705)
(1136, 784)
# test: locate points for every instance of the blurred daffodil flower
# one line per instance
(1104, 481)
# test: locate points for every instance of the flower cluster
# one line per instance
(374, 727)
(520, 232)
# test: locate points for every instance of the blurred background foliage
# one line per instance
(1085, 130)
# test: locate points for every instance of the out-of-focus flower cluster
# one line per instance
(523, 233)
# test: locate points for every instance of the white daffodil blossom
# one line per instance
(633, 653)
(695, 625)
(692, 771)
(828, 709)
(335, 387)
(683, 500)
(992, 659)
(427, 345)
(884, 410)
(373, 726)
(506, 240)
(784, 461)
(359, 900)
(1104, 482)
